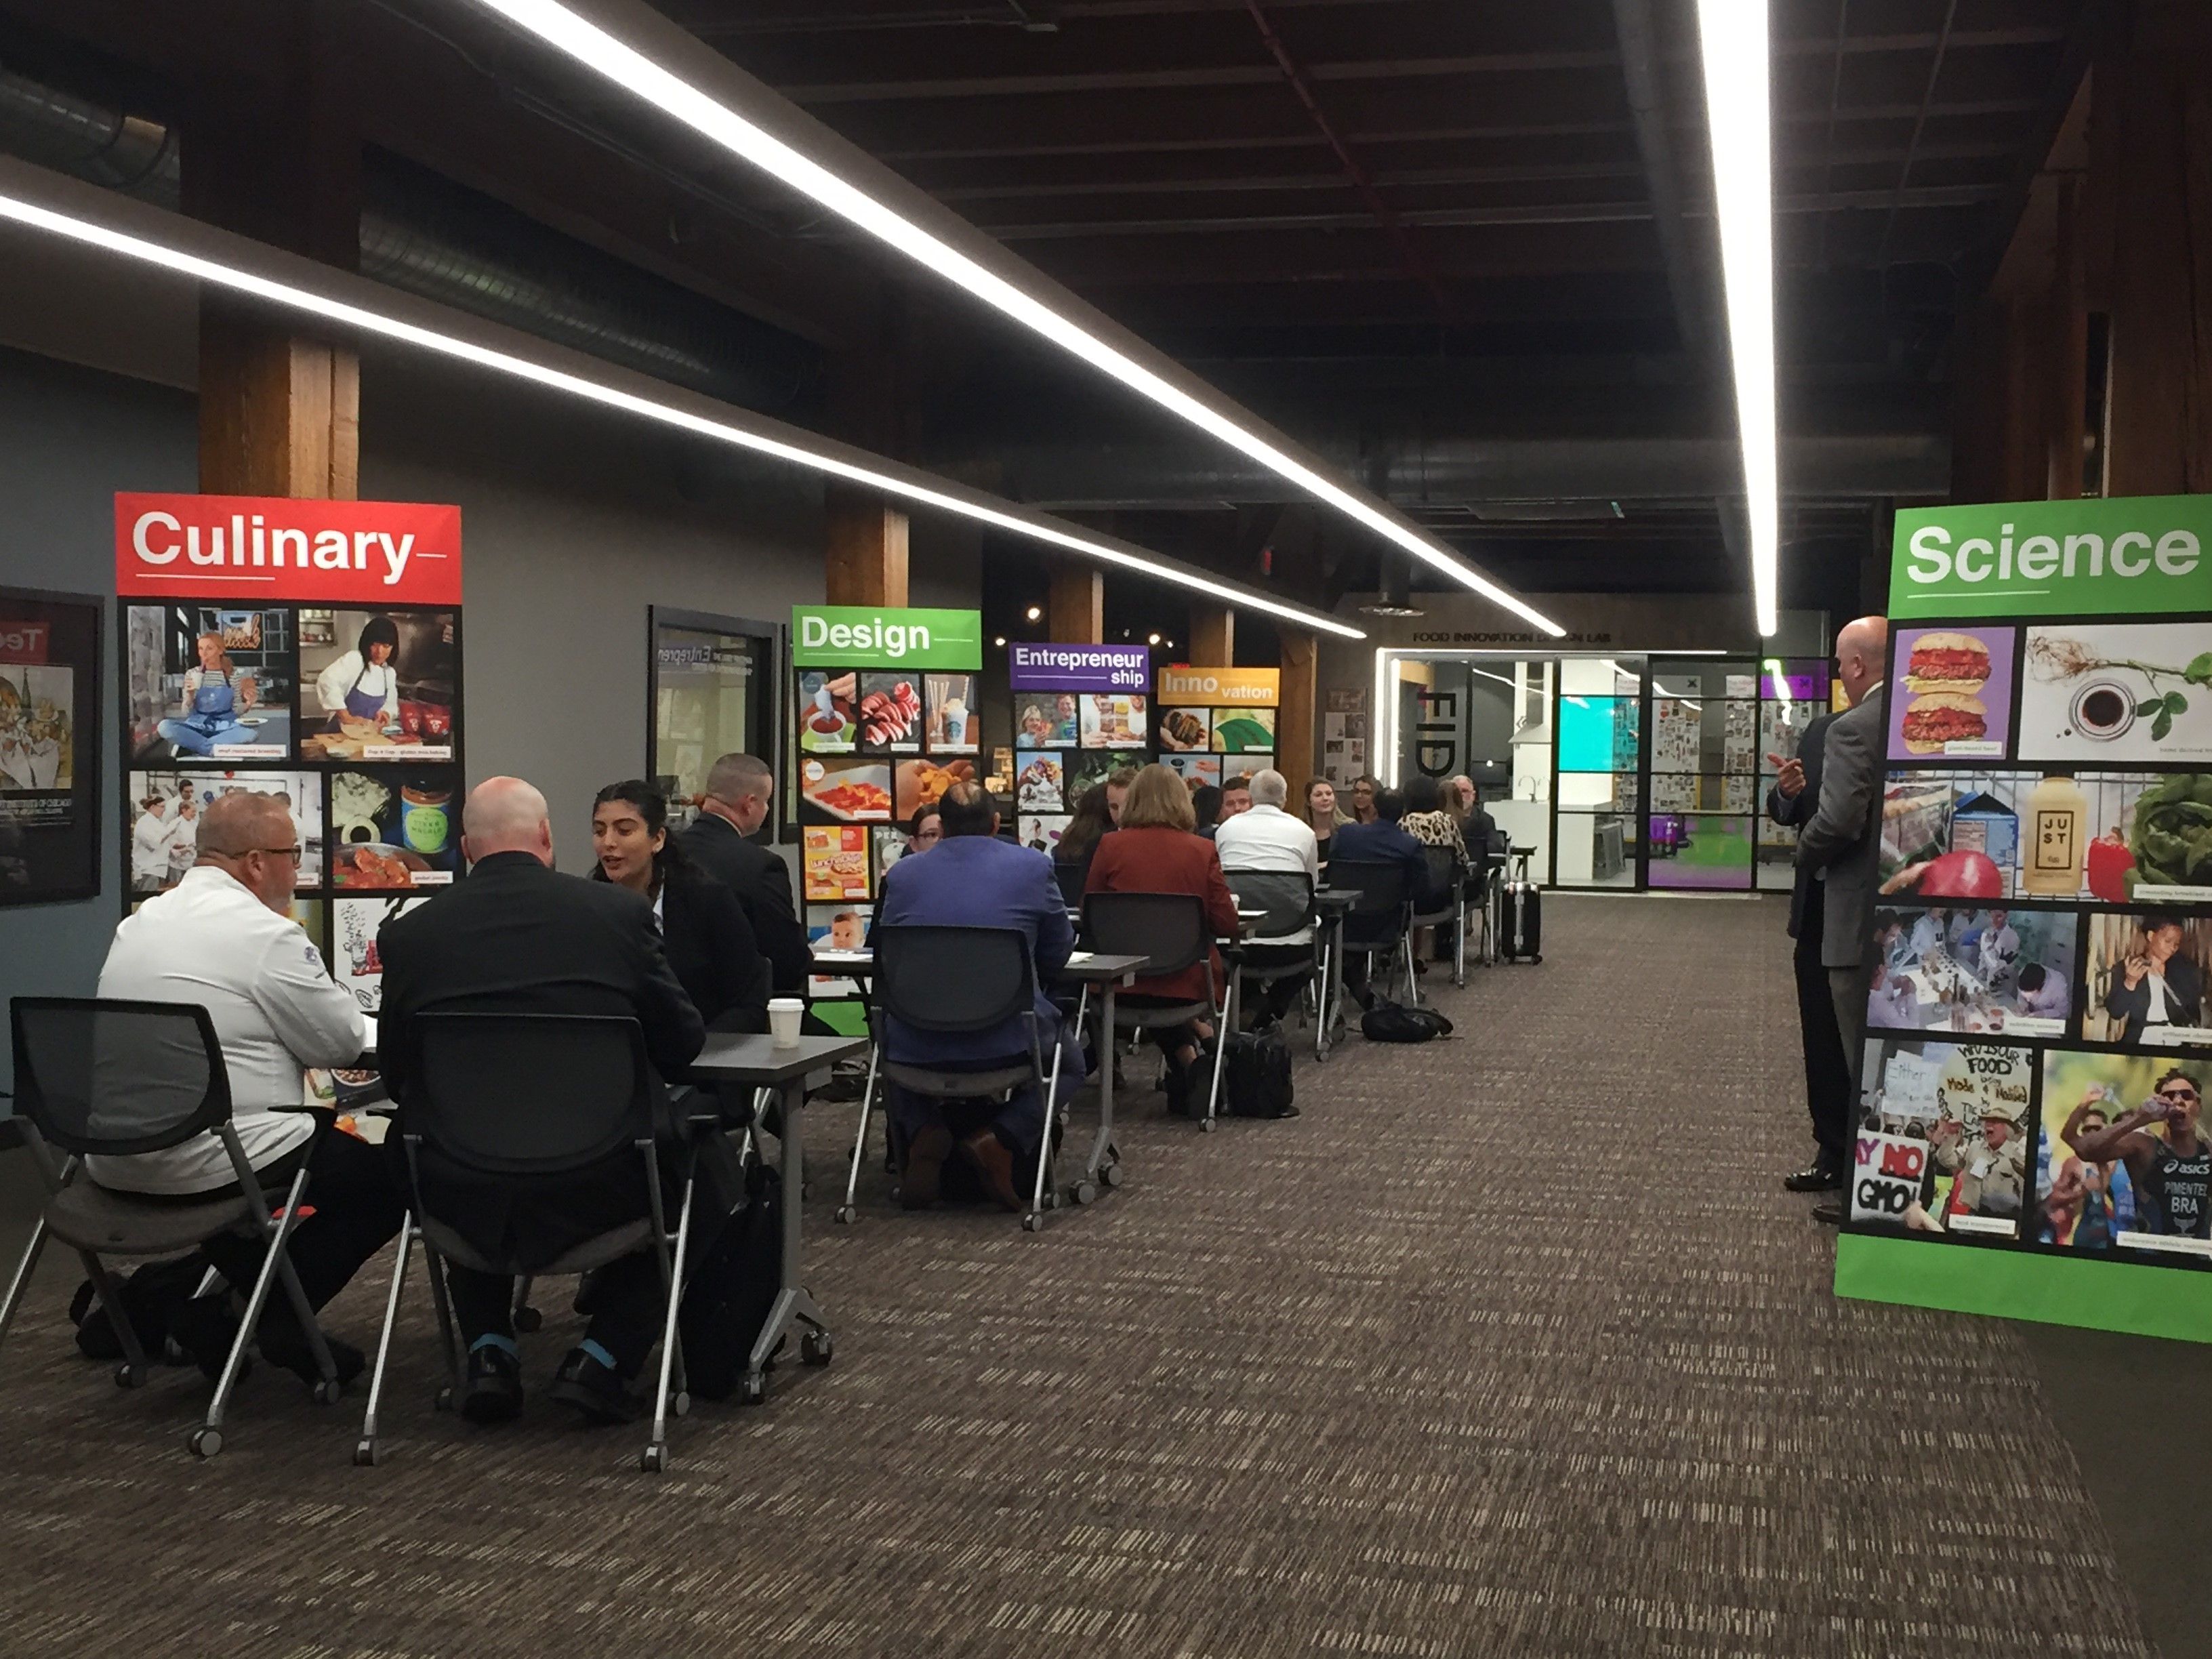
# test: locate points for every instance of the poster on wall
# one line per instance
(883, 722)
(49, 747)
(2037, 1042)
(307, 650)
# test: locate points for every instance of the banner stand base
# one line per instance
(2052, 1290)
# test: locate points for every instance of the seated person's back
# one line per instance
(518, 937)
(1384, 840)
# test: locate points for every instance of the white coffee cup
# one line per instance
(783, 1017)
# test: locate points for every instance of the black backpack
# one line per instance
(1257, 1073)
(1392, 1022)
(733, 1288)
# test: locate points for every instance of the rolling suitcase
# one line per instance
(1521, 914)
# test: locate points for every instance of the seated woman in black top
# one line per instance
(710, 945)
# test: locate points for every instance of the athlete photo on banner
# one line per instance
(2126, 1165)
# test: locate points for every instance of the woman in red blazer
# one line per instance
(1154, 851)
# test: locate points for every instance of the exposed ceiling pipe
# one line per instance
(432, 238)
(1654, 144)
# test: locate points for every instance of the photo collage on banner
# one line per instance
(1217, 725)
(306, 650)
(1080, 715)
(49, 758)
(2037, 1043)
(885, 721)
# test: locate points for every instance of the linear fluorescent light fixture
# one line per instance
(587, 44)
(1732, 35)
(769, 438)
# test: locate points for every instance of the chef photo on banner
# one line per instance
(378, 679)
(209, 684)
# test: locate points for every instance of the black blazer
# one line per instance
(711, 947)
(2185, 995)
(516, 936)
(1796, 813)
(762, 884)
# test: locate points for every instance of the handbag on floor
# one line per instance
(733, 1288)
(1257, 1073)
(1392, 1022)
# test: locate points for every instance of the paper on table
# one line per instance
(1079, 956)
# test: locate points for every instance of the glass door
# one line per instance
(713, 691)
(1702, 824)
(1597, 821)
(1792, 694)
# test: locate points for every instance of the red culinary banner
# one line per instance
(284, 548)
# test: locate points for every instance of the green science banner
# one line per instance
(2030, 1138)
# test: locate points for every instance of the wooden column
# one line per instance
(279, 160)
(2069, 346)
(864, 557)
(1295, 747)
(2154, 91)
(1212, 636)
(1075, 608)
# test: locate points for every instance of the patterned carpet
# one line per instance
(1511, 1345)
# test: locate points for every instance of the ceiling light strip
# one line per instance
(1732, 36)
(783, 443)
(587, 44)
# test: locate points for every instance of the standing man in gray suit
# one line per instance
(1841, 847)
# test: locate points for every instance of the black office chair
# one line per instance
(1381, 922)
(1070, 878)
(1447, 883)
(99, 1078)
(967, 980)
(1169, 930)
(533, 1098)
(1287, 897)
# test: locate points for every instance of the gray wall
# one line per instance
(69, 438)
(573, 523)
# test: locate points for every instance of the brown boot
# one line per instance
(925, 1167)
(995, 1164)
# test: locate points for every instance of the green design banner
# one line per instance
(863, 636)
(2130, 555)
(2095, 1294)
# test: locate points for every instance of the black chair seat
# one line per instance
(594, 1252)
(958, 1085)
(1141, 1018)
(87, 1217)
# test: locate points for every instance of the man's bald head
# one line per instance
(236, 825)
(1860, 649)
(506, 815)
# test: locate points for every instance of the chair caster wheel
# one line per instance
(128, 1376)
(846, 1215)
(1033, 1222)
(752, 1390)
(443, 1399)
(1087, 1192)
(816, 1348)
(204, 1442)
(1111, 1174)
(806, 1190)
(326, 1391)
(654, 1460)
(366, 1453)
(527, 1320)
(1206, 1126)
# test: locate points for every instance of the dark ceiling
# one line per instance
(1426, 237)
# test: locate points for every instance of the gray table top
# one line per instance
(1089, 966)
(754, 1058)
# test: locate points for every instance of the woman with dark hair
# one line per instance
(710, 945)
(364, 683)
(1079, 840)
(1428, 820)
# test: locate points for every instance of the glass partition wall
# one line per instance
(1619, 772)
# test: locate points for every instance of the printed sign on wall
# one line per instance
(254, 547)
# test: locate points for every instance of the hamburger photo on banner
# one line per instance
(1943, 661)
(1941, 717)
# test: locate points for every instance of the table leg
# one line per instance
(1332, 992)
(846, 1212)
(1104, 1148)
(794, 1304)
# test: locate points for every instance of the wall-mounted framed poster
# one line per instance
(49, 760)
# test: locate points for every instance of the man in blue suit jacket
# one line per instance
(972, 880)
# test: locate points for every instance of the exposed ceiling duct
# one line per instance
(432, 238)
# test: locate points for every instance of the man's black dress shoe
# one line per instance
(596, 1390)
(493, 1394)
(1819, 1176)
(1829, 1212)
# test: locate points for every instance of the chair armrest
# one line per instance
(311, 1108)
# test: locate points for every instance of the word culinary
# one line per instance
(158, 538)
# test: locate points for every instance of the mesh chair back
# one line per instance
(1443, 879)
(530, 1094)
(1167, 929)
(1070, 875)
(1285, 894)
(1380, 910)
(953, 979)
(103, 1076)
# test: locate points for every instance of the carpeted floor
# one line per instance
(1509, 1345)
